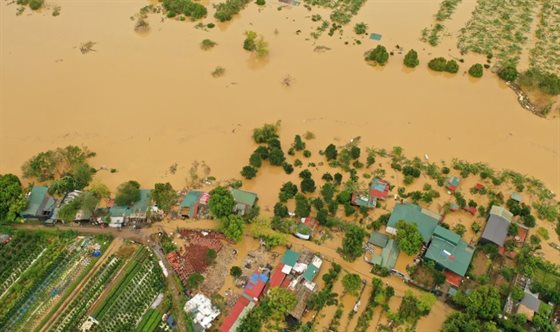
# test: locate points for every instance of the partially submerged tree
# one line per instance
(232, 227)
(352, 244)
(411, 59)
(352, 283)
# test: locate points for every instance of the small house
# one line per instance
(378, 190)
(244, 201)
(425, 220)
(450, 253)
(497, 226)
(388, 257)
(452, 183)
(138, 212)
(40, 205)
(305, 228)
(194, 204)
(202, 310)
(529, 305)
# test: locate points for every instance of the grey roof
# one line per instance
(496, 230)
(497, 226)
(531, 301)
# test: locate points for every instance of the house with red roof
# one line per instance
(251, 294)
(378, 190)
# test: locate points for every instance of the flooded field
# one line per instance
(146, 101)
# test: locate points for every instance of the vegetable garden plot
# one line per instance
(545, 55)
(127, 302)
(75, 313)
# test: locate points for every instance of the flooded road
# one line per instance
(144, 102)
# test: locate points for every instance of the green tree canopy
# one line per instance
(235, 271)
(508, 73)
(128, 193)
(165, 196)
(12, 197)
(303, 208)
(476, 70)
(194, 281)
(221, 202)
(281, 301)
(267, 132)
(411, 59)
(409, 238)
(378, 55)
(352, 283)
(232, 227)
(352, 244)
(330, 152)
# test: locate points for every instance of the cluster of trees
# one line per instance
(164, 196)
(523, 211)
(413, 308)
(275, 306)
(255, 43)
(378, 55)
(128, 193)
(226, 10)
(481, 312)
(66, 167)
(188, 8)
(269, 149)
(87, 202)
(326, 296)
(508, 73)
(12, 197)
(33, 4)
(360, 28)
(411, 59)
(441, 64)
(221, 206)
(548, 83)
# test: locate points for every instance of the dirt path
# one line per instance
(114, 246)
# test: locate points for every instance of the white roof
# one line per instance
(286, 269)
(317, 261)
(203, 309)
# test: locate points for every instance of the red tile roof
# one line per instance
(381, 194)
(241, 303)
(277, 276)
(255, 286)
(452, 278)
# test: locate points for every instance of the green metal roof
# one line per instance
(290, 258)
(140, 206)
(446, 234)
(425, 220)
(365, 201)
(191, 198)
(244, 197)
(35, 200)
(453, 257)
(389, 255)
(378, 239)
(310, 272)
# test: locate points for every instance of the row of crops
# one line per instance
(75, 314)
(17, 256)
(42, 269)
(128, 302)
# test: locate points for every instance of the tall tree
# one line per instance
(232, 226)
(128, 193)
(164, 195)
(409, 237)
(221, 202)
(12, 197)
(352, 244)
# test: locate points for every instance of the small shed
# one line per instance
(516, 197)
(244, 201)
(453, 183)
(379, 240)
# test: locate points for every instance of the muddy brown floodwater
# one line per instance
(144, 102)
